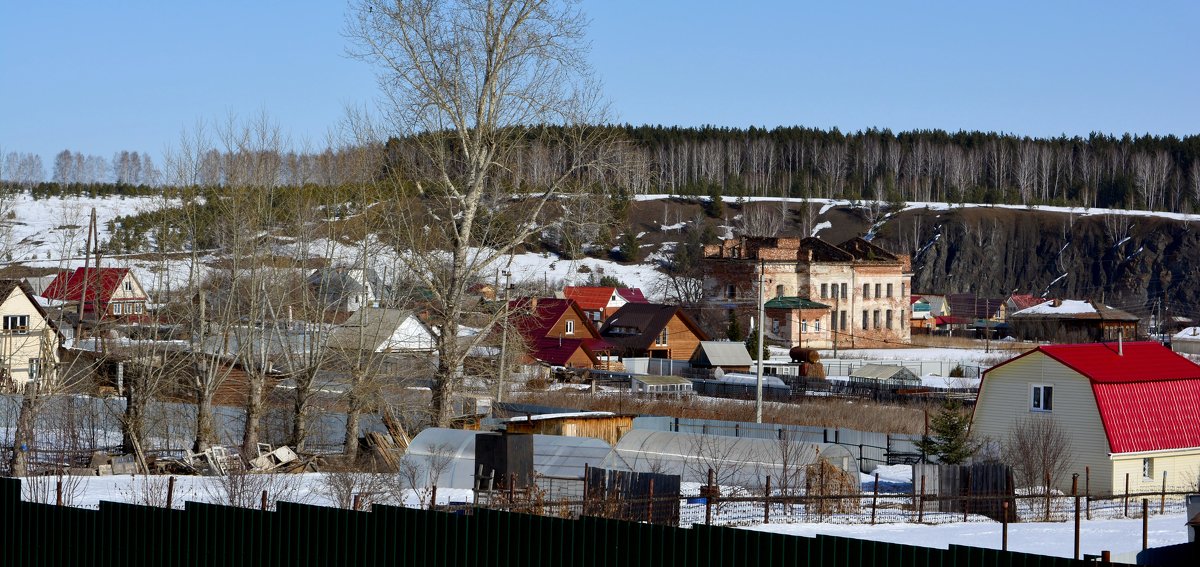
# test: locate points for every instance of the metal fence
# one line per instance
(298, 535)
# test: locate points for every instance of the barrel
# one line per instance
(802, 354)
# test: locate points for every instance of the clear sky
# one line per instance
(99, 77)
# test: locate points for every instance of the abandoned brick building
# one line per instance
(865, 287)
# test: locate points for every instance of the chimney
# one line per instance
(1058, 303)
(1121, 343)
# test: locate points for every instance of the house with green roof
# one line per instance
(798, 321)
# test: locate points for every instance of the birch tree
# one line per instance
(467, 84)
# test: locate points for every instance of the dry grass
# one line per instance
(818, 412)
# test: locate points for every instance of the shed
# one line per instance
(884, 375)
(602, 425)
(726, 355)
(737, 461)
(668, 385)
(447, 456)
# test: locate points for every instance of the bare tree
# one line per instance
(1039, 451)
(465, 81)
(761, 220)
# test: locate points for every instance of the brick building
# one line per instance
(866, 286)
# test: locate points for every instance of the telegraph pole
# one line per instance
(758, 382)
(503, 375)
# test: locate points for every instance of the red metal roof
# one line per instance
(68, 286)
(590, 298)
(540, 319)
(632, 295)
(1024, 300)
(558, 352)
(1148, 396)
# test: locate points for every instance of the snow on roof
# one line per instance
(1188, 334)
(1063, 307)
(545, 416)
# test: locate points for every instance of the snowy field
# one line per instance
(55, 228)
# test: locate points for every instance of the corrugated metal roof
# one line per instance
(1140, 362)
(793, 302)
(881, 372)
(1150, 416)
(590, 298)
(723, 353)
(661, 380)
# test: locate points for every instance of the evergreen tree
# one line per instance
(752, 343)
(948, 437)
(715, 207)
(734, 330)
(629, 248)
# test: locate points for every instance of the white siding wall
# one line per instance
(17, 349)
(1004, 399)
(1182, 468)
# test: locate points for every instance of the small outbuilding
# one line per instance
(602, 425)
(727, 355)
(886, 376)
(661, 385)
(1186, 341)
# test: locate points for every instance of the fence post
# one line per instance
(708, 499)
(433, 498)
(1074, 484)
(921, 502)
(1004, 526)
(1126, 499)
(1087, 490)
(650, 505)
(1047, 496)
(767, 502)
(875, 499)
(1145, 523)
(967, 497)
(58, 493)
(1162, 503)
(1077, 526)
(170, 492)
(264, 501)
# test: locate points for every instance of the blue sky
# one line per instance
(99, 77)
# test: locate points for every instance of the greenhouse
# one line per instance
(736, 461)
(447, 456)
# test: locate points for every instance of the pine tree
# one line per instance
(734, 330)
(752, 343)
(948, 437)
(629, 246)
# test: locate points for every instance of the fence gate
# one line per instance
(635, 496)
(976, 489)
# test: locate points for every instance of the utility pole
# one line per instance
(503, 375)
(758, 382)
(833, 322)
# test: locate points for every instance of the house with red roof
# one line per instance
(600, 302)
(1132, 410)
(114, 293)
(557, 332)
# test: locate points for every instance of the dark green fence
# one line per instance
(298, 535)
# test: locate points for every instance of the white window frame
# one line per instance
(17, 324)
(663, 338)
(118, 309)
(137, 308)
(1147, 468)
(570, 327)
(35, 368)
(1037, 397)
(804, 325)
(128, 285)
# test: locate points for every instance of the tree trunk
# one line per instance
(23, 436)
(254, 412)
(133, 423)
(299, 413)
(204, 423)
(350, 444)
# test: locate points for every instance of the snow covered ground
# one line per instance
(1055, 538)
(56, 227)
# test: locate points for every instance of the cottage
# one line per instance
(1129, 408)
(602, 425)
(556, 332)
(376, 329)
(1186, 341)
(1068, 320)
(652, 330)
(726, 356)
(28, 341)
(866, 285)
(798, 321)
(114, 293)
(921, 319)
(1019, 301)
(346, 289)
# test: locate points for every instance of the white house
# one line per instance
(382, 330)
(1186, 341)
(28, 340)
(1131, 409)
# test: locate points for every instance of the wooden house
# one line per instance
(727, 356)
(601, 302)
(652, 330)
(1130, 410)
(378, 329)
(556, 332)
(1067, 320)
(106, 293)
(28, 340)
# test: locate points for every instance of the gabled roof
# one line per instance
(793, 302)
(721, 353)
(644, 322)
(6, 289)
(374, 326)
(538, 319)
(1074, 309)
(101, 284)
(590, 298)
(1148, 397)
(971, 306)
(1188, 334)
(557, 352)
(882, 372)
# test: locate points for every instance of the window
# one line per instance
(137, 308)
(903, 290)
(817, 325)
(804, 326)
(1042, 398)
(35, 368)
(844, 321)
(824, 290)
(570, 327)
(128, 285)
(1148, 468)
(16, 324)
(889, 288)
(662, 338)
(731, 292)
(116, 309)
(889, 318)
(844, 296)
(865, 315)
(866, 291)
(775, 326)
(779, 290)
(875, 319)
(877, 296)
